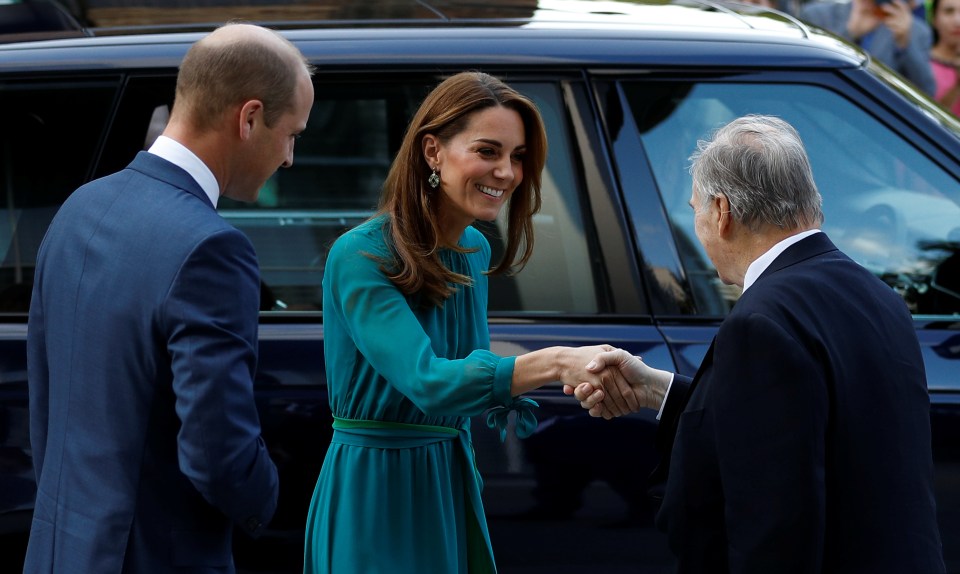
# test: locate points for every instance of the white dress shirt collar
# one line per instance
(761, 263)
(177, 154)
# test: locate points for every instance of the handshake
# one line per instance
(615, 383)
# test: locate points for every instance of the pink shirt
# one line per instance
(946, 77)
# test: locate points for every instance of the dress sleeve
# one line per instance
(385, 330)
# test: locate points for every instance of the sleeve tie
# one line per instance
(526, 421)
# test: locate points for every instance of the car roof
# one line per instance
(607, 33)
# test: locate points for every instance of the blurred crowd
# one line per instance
(919, 39)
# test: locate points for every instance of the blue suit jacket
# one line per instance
(142, 347)
(803, 442)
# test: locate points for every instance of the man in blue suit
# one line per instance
(142, 340)
(803, 442)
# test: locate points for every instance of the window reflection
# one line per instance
(39, 127)
(886, 204)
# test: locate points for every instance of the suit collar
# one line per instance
(812, 246)
(183, 157)
(158, 168)
(760, 264)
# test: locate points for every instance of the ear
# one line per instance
(251, 116)
(431, 150)
(724, 217)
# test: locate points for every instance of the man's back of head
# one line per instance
(760, 165)
(233, 64)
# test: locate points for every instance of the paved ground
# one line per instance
(598, 539)
(532, 545)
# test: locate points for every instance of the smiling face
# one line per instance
(479, 168)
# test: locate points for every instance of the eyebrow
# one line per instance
(497, 143)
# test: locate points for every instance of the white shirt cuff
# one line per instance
(665, 395)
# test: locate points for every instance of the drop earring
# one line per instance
(434, 179)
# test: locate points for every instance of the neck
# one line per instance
(450, 227)
(216, 146)
(750, 246)
(945, 52)
(450, 235)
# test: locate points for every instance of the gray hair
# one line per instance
(760, 165)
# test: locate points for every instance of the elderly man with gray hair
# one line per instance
(802, 444)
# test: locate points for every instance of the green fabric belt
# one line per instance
(339, 423)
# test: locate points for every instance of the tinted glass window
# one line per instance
(340, 163)
(52, 131)
(560, 277)
(339, 167)
(887, 205)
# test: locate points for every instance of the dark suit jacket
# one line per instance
(803, 442)
(141, 355)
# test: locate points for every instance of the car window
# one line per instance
(561, 276)
(52, 130)
(340, 164)
(886, 204)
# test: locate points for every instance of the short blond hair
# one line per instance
(237, 63)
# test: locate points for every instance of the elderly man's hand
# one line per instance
(628, 384)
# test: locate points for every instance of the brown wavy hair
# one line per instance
(406, 198)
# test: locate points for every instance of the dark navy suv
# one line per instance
(625, 89)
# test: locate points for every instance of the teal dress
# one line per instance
(399, 491)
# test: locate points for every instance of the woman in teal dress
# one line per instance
(406, 340)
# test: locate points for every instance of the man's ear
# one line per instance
(251, 115)
(431, 150)
(724, 217)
